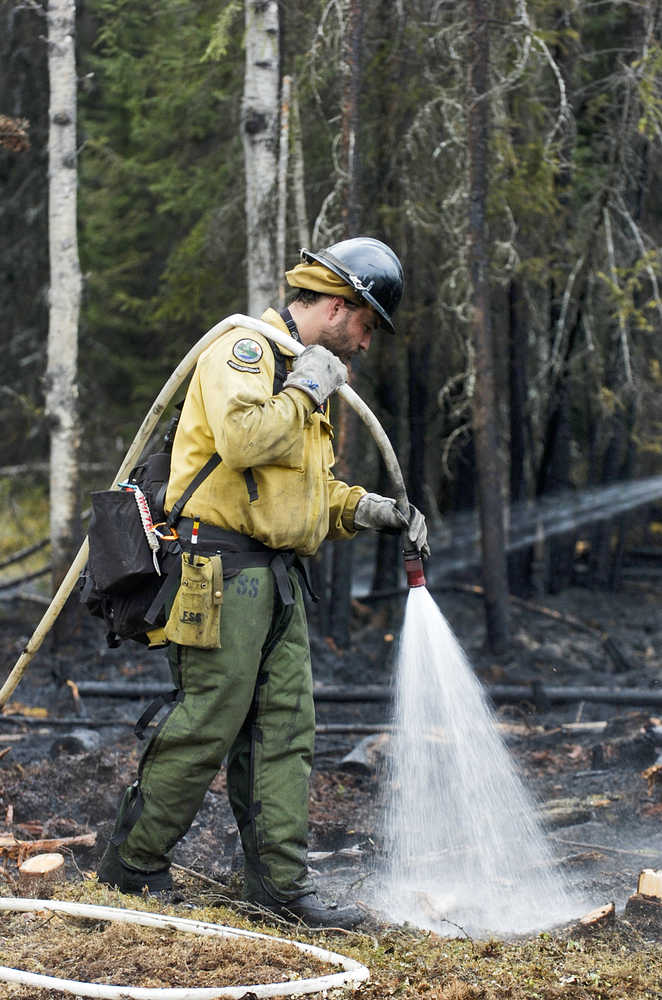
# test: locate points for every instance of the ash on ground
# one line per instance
(590, 765)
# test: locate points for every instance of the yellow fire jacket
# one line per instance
(230, 409)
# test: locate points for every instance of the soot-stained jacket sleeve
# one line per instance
(250, 426)
(342, 504)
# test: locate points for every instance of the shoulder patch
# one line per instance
(244, 368)
(248, 351)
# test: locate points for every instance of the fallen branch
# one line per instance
(360, 728)
(17, 581)
(608, 696)
(26, 595)
(32, 467)
(203, 878)
(19, 850)
(24, 553)
(605, 847)
(322, 692)
(73, 721)
(499, 693)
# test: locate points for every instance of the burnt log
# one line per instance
(367, 755)
(322, 692)
(598, 919)
(645, 913)
(499, 693)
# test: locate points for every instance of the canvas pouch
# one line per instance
(195, 616)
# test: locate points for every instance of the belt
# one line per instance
(242, 552)
(219, 539)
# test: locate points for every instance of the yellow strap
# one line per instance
(156, 637)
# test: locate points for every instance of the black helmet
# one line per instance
(370, 267)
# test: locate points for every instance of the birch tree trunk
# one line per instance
(283, 163)
(259, 127)
(485, 412)
(65, 287)
(298, 172)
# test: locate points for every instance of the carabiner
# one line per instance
(172, 537)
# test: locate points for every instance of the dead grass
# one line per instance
(102, 952)
(617, 964)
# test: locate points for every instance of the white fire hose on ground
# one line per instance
(352, 975)
(145, 432)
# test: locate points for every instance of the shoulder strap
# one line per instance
(280, 371)
(207, 468)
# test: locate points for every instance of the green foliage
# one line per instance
(222, 34)
(648, 70)
(627, 292)
(576, 128)
(161, 212)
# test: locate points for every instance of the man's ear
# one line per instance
(336, 302)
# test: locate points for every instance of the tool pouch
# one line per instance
(120, 557)
(195, 617)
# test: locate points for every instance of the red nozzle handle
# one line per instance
(414, 569)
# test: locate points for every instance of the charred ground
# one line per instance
(64, 762)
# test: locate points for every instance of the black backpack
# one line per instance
(127, 581)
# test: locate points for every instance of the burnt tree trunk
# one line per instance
(388, 560)
(485, 416)
(519, 560)
(554, 474)
(343, 554)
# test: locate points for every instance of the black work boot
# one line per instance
(115, 872)
(311, 911)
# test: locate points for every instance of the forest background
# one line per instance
(509, 152)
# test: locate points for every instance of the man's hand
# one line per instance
(381, 514)
(417, 531)
(317, 372)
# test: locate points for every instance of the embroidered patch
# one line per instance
(248, 351)
(244, 368)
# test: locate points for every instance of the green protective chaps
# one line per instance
(252, 701)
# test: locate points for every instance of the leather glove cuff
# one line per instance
(317, 372)
(379, 513)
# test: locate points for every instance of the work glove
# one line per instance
(317, 372)
(381, 514)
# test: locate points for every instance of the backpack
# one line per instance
(133, 571)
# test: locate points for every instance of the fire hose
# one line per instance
(413, 563)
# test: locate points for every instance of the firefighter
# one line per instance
(239, 650)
